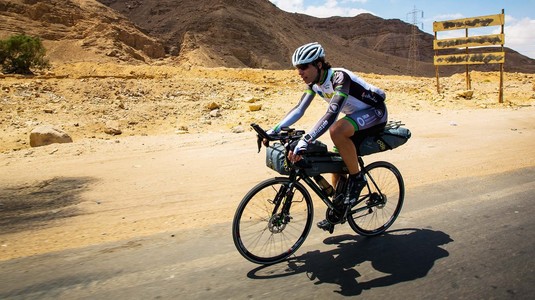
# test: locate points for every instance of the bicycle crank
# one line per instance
(334, 217)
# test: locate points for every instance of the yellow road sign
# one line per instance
(473, 41)
(470, 59)
(492, 20)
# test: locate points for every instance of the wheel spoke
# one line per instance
(381, 206)
(264, 236)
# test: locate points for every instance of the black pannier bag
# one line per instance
(389, 139)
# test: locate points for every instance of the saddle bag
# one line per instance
(389, 139)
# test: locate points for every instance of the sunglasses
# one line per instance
(302, 67)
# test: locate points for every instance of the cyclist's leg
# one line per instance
(367, 122)
(346, 134)
(335, 178)
(341, 133)
(363, 123)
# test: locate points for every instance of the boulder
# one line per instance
(466, 94)
(46, 135)
(113, 128)
(215, 113)
(255, 107)
(212, 106)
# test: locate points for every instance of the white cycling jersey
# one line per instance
(345, 92)
(358, 88)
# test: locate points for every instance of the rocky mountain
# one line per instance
(227, 33)
(78, 30)
(255, 33)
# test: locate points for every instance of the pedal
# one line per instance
(326, 226)
(331, 229)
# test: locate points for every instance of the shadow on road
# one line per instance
(26, 207)
(396, 256)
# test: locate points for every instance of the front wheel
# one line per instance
(272, 221)
(381, 201)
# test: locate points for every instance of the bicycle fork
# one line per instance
(284, 197)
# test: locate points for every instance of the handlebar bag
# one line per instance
(276, 158)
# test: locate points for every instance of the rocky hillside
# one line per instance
(255, 33)
(220, 33)
(233, 33)
(227, 33)
(76, 30)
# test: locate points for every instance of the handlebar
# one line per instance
(286, 135)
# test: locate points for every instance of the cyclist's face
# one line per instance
(307, 72)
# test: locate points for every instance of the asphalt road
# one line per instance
(470, 239)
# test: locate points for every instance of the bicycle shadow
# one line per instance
(396, 257)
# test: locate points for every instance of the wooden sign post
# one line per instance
(470, 41)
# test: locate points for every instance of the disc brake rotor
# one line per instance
(277, 223)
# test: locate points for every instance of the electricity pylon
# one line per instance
(414, 54)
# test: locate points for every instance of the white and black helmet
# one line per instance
(307, 54)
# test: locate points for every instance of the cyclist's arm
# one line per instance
(341, 84)
(298, 111)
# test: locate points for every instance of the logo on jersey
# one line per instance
(361, 121)
(338, 78)
(325, 95)
(368, 95)
(379, 113)
(322, 126)
(333, 108)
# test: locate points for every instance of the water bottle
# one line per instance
(326, 187)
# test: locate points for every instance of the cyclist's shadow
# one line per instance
(397, 255)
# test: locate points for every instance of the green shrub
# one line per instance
(21, 53)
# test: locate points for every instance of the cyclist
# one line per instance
(363, 106)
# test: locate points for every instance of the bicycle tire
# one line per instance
(377, 213)
(257, 232)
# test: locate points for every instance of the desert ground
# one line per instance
(186, 155)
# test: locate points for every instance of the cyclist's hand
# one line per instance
(301, 147)
(295, 155)
(293, 158)
(271, 133)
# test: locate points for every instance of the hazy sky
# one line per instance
(519, 15)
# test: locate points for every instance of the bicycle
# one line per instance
(274, 218)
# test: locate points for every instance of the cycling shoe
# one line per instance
(326, 225)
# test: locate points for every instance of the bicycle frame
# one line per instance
(297, 175)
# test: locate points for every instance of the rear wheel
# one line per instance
(272, 221)
(381, 200)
